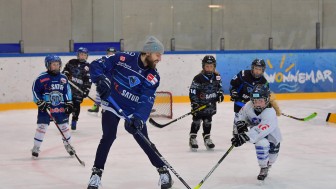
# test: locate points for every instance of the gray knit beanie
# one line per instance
(153, 45)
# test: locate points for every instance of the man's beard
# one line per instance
(150, 62)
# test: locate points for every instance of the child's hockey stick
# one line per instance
(213, 169)
(150, 144)
(80, 90)
(311, 116)
(53, 119)
(185, 115)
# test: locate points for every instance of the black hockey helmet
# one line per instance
(208, 59)
(258, 63)
(111, 49)
(260, 91)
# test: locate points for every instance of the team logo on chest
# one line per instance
(133, 81)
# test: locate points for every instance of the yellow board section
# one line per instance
(185, 99)
(331, 118)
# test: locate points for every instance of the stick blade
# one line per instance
(313, 115)
(154, 123)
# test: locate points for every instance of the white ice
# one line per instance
(307, 157)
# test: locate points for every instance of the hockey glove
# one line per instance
(86, 93)
(68, 108)
(103, 87)
(239, 139)
(241, 126)
(220, 96)
(134, 125)
(66, 73)
(234, 95)
(43, 105)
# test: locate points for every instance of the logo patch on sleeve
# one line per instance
(152, 79)
(122, 58)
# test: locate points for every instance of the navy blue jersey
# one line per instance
(243, 83)
(54, 90)
(133, 85)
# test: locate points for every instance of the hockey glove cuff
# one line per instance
(43, 105)
(241, 126)
(68, 108)
(234, 95)
(239, 139)
(134, 125)
(220, 96)
(103, 87)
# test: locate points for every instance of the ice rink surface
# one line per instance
(307, 158)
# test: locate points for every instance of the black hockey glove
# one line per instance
(68, 108)
(220, 96)
(234, 95)
(43, 105)
(239, 139)
(86, 93)
(134, 125)
(66, 73)
(241, 126)
(103, 87)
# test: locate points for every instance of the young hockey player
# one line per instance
(263, 132)
(131, 79)
(205, 89)
(95, 108)
(243, 83)
(51, 91)
(77, 71)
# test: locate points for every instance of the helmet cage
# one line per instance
(260, 97)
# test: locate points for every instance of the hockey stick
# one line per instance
(213, 169)
(156, 124)
(311, 116)
(53, 119)
(80, 90)
(150, 144)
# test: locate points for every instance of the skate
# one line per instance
(35, 151)
(70, 149)
(165, 181)
(208, 142)
(263, 173)
(193, 142)
(94, 109)
(73, 125)
(95, 178)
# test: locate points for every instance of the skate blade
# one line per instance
(193, 149)
(34, 158)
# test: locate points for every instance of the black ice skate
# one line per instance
(35, 151)
(208, 142)
(165, 181)
(73, 125)
(193, 142)
(263, 173)
(95, 178)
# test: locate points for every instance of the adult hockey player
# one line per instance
(95, 108)
(77, 71)
(131, 79)
(242, 84)
(205, 89)
(51, 91)
(257, 123)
